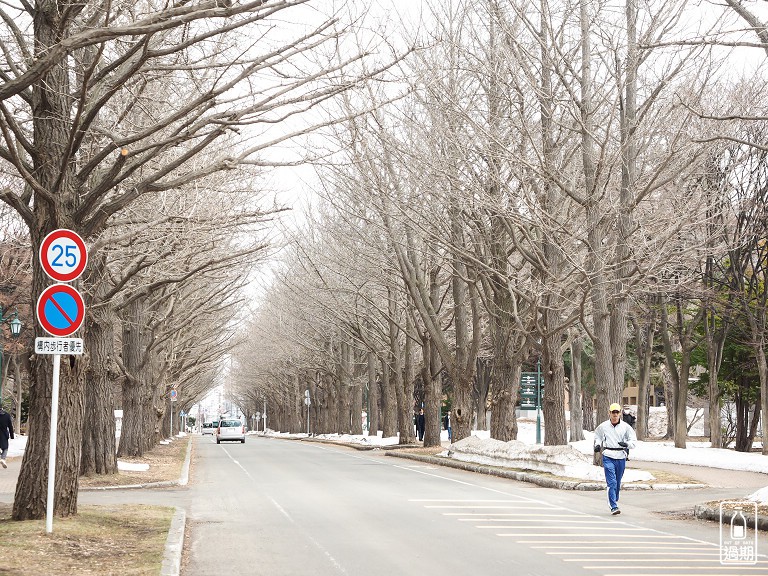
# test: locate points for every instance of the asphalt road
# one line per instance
(284, 508)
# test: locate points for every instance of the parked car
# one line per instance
(230, 429)
(210, 428)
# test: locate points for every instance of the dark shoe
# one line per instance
(615, 511)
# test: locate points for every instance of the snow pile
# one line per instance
(558, 460)
(761, 496)
(364, 440)
(657, 421)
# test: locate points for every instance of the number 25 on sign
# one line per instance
(63, 255)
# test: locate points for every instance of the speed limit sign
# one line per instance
(63, 255)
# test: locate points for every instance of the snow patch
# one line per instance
(558, 460)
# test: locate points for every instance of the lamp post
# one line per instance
(13, 321)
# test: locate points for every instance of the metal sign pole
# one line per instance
(60, 311)
(52, 446)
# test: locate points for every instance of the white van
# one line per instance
(230, 429)
(210, 428)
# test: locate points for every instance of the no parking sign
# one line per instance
(60, 310)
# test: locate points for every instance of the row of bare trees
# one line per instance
(146, 128)
(556, 184)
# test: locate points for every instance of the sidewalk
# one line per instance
(8, 478)
(175, 541)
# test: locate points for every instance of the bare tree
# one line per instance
(96, 97)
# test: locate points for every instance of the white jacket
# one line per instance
(609, 436)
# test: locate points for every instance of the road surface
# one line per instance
(288, 508)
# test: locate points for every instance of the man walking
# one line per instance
(6, 431)
(614, 438)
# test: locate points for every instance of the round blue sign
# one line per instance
(60, 310)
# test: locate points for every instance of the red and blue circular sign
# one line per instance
(60, 310)
(63, 255)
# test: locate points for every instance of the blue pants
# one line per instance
(614, 470)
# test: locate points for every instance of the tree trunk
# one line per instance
(157, 404)
(388, 401)
(597, 255)
(136, 399)
(625, 225)
(588, 412)
(340, 421)
(355, 393)
(482, 383)
(670, 398)
(574, 390)
(21, 366)
(430, 373)
(686, 326)
(505, 369)
(462, 371)
(32, 486)
(409, 375)
(404, 406)
(99, 452)
(373, 396)
(762, 370)
(52, 111)
(715, 343)
(644, 348)
(506, 379)
(343, 376)
(553, 402)
(326, 418)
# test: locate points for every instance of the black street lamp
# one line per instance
(15, 324)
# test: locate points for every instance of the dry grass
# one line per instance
(762, 509)
(433, 451)
(662, 477)
(125, 540)
(165, 464)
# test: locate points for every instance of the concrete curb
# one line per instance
(174, 544)
(533, 478)
(706, 512)
(182, 481)
(354, 445)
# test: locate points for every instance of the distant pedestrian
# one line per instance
(614, 438)
(628, 417)
(6, 431)
(420, 424)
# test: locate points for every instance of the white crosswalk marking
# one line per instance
(582, 540)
